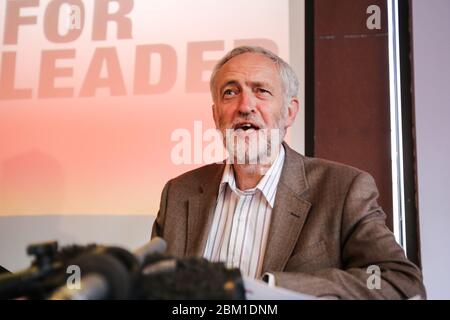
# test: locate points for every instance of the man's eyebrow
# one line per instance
(261, 84)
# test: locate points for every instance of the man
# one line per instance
(311, 225)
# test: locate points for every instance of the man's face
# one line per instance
(249, 105)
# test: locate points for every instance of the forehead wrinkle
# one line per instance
(249, 83)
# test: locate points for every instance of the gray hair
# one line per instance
(288, 77)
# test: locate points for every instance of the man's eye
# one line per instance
(229, 93)
(263, 91)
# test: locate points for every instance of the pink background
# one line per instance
(110, 154)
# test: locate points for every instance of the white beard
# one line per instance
(258, 147)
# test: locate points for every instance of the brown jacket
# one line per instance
(326, 229)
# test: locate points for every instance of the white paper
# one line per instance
(259, 290)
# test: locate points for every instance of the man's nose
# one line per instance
(247, 102)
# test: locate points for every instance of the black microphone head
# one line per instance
(124, 256)
(165, 277)
(114, 272)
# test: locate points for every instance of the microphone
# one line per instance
(156, 245)
(109, 273)
(13, 285)
(16, 284)
(4, 270)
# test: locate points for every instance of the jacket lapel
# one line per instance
(288, 216)
(289, 213)
(200, 212)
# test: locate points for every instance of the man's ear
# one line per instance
(292, 111)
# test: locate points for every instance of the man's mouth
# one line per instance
(246, 126)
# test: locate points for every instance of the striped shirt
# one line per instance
(240, 226)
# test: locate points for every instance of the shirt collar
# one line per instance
(267, 185)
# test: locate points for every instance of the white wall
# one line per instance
(431, 51)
